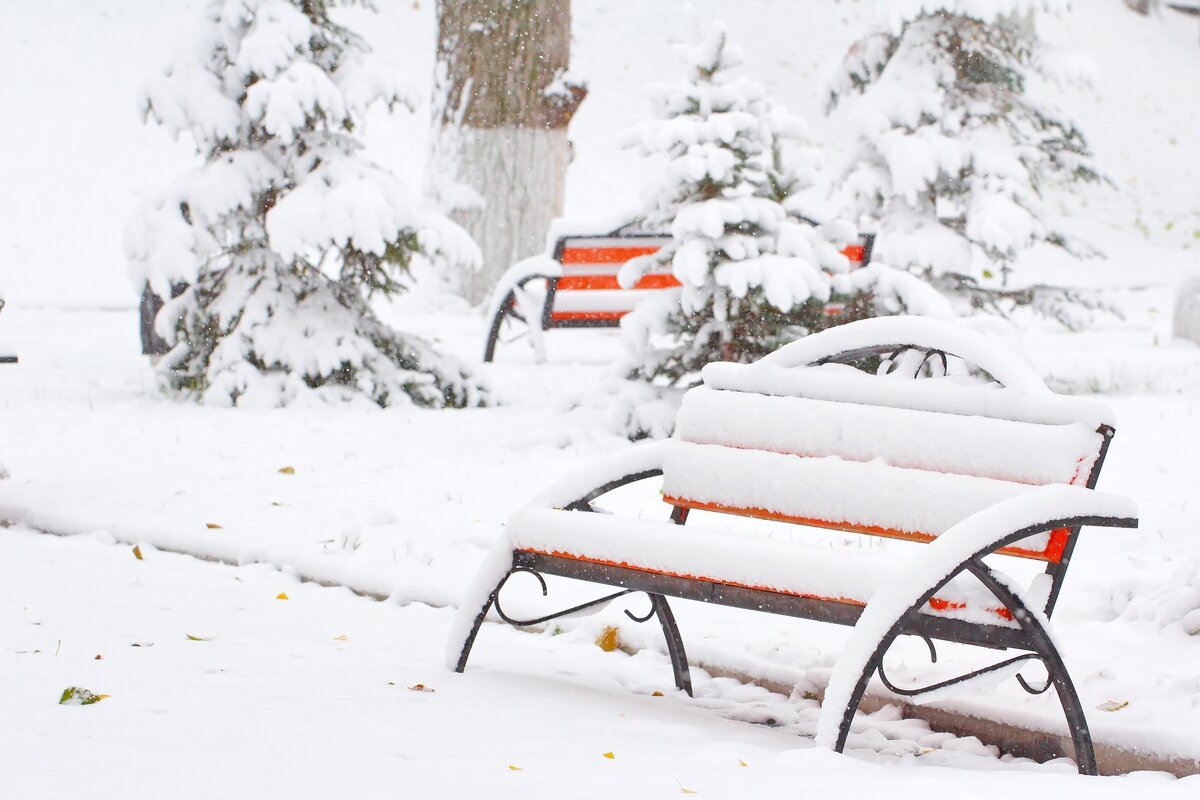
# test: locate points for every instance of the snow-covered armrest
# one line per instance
(984, 532)
(583, 484)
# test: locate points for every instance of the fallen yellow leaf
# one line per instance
(609, 755)
(341, 637)
(656, 693)
(212, 526)
(515, 768)
(608, 639)
(287, 471)
(193, 638)
(281, 596)
(686, 790)
(742, 763)
(1112, 705)
(137, 552)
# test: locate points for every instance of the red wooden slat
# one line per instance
(604, 255)
(1053, 552)
(936, 603)
(591, 316)
(575, 283)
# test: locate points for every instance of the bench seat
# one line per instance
(736, 559)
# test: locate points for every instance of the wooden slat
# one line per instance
(1053, 552)
(590, 316)
(575, 283)
(604, 255)
(936, 603)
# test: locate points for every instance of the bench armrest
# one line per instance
(1043, 509)
(518, 275)
(584, 484)
(573, 490)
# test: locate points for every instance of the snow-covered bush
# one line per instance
(958, 141)
(286, 229)
(754, 273)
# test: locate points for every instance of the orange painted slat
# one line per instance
(657, 280)
(604, 255)
(577, 283)
(1052, 553)
(936, 603)
(577, 316)
(619, 255)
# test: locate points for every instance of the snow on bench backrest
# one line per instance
(830, 445)
(587, 290)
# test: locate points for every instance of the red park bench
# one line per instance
(576, 285)
(975, 459)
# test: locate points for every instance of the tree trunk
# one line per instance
(503, 101)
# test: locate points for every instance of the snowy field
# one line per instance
(217, 687)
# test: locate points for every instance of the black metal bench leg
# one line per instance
(469, 642)
(489, 348)
(679, 664)
(860, 688)
(1039, 641)
(1043, 644)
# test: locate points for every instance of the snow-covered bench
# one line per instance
(576, 286)
(901, 427)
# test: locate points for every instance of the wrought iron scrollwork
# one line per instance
(648, 616)
(933, 687)
(921, 358)
(524, 623)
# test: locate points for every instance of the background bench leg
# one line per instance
(489, 347)
(679, 664)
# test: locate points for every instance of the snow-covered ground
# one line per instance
(217, 686)
(402, 504)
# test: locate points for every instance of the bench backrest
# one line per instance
(831, 446)
(588, 291)
(588, 294)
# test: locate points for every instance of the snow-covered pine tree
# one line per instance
(958, 141)
(286, 229)
(755, 274)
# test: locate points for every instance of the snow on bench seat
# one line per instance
(736, 559)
